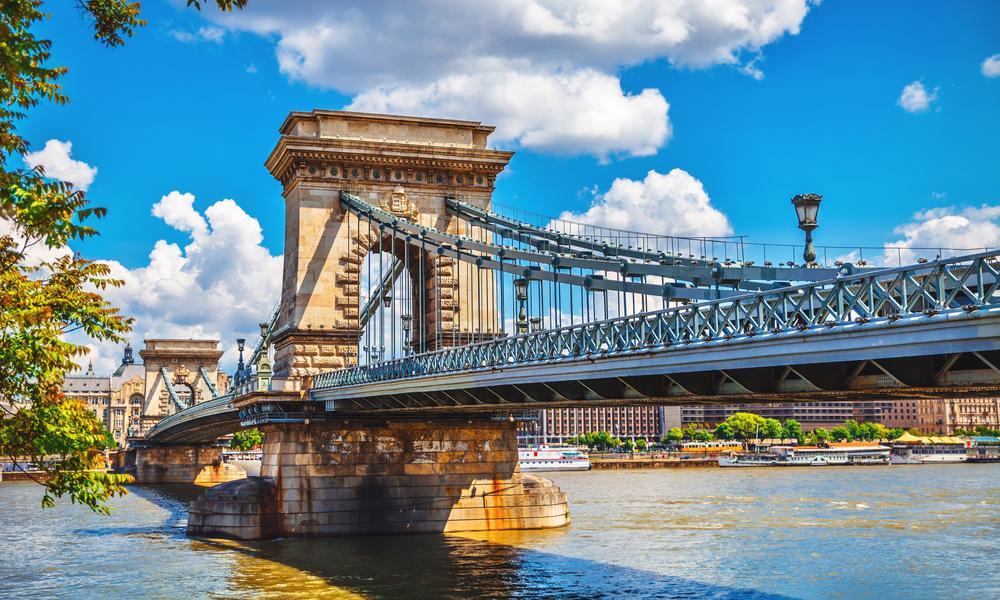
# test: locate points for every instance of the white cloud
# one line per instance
(220, 284)
(55, 159)
(203, 34)
(671, 204)
(177, 210)
(991, 66)
(470, 58)
(579, 112)
(915, 97)
(947, 231)
(251, 68)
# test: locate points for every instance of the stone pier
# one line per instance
(199, 464)
(382, 476)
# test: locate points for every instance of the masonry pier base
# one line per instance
(368, 475)
(198, 464)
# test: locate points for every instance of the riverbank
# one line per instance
(649, 462)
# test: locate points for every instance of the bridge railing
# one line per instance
(198, 411)
(956, 284)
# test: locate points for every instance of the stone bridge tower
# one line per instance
(179, 373)
(405, 165)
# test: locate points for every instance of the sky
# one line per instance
(677, 117)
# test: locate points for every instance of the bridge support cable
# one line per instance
(699, 272)
(208, 382)
(170, 390)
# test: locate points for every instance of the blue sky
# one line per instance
(193, 103)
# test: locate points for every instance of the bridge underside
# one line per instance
(201, 430)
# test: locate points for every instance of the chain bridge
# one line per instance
(416, 317)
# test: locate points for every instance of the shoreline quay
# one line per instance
(651, 463)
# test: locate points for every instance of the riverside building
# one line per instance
(652, 422)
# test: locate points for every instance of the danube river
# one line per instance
(864, 532)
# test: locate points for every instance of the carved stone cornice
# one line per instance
(295, 159)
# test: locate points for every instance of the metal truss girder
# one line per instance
(990, 358)
(534, 392)
(912, 371)
(759, 379)
(608, 389)
(508, 393)
(705, 383)
(570, 390)
(651, 386)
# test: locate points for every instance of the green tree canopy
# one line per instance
(725, 431)
(672, 436)
(793, 429)
(746, 425)
(43, 300)
(247, 439)
(772, 429)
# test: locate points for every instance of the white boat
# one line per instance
(811, 456)
(832, 454)
(748, 460)
(928, 454)
(544, 458)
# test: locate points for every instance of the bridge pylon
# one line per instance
(407, 166)
(378, 475)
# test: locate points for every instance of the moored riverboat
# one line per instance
(848, 453)
(546, 458)
(910, 449)
(748, 460)
(812, 456)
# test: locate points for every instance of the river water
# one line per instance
(864, 532)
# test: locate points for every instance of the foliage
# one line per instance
(772, 429)
(793, 429)
(980, 430)
(247, 439)
(822, 434)
(640, 444)
(746, 426)
(43, 300)
(601, 440)
(724, 431)
(672, 436)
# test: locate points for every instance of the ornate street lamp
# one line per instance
(807, 209)
(240, 342)
(407, 324)
(536, 323)
(521, 289)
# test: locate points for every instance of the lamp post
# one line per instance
(521, 289)
(536, 324)
(406, 321)
(807, 209)
(240, 342)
